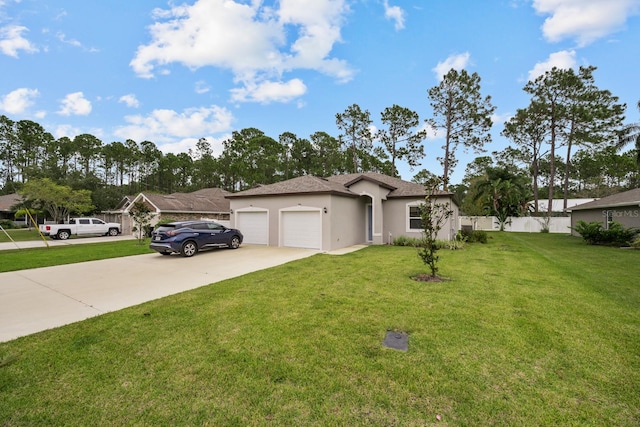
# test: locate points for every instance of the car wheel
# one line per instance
(63, 234)
(113, 232)
(235, 242)
(189, 248)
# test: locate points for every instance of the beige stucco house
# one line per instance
(623, 208)
(335, 212)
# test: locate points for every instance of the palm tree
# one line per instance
(631, 134)
(502, 194)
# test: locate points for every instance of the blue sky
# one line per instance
(172, 72)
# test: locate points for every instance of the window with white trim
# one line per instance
(415, 220)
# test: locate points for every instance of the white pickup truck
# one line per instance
(80, 227)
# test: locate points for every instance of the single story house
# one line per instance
(623, 208)
(334, 212)
(7, 206)
(209, 203)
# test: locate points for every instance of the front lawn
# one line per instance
(21, 259)
(19, 234)
(531, 329)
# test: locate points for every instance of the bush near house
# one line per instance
(616, 235)
(473, 236)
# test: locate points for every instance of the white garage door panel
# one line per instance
(302, 230)
(254, 227)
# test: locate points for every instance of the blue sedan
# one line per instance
(190, 237)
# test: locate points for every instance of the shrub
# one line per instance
(616, 235)
(406, 241)
(457, 243)
(479, 236)
(473, 236)
(6, 224)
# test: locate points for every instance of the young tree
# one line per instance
(462, 114)
(59, 200)
(434, 215)
(356, 133)
(141, 215)
(400, 139)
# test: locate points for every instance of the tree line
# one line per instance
(568, 141)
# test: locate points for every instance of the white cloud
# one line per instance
(584, 20)
(186, 144)
(130, 100)
(395, 13)
(71, 132)
(269, 91)
(202, 87)
(565, 59)
(457, 62)
(63, 38)
(66, 130)
(170, 127)
(257, 43)
(19, 100)
(75, 104)
(11, 41)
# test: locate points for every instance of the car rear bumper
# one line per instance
(162, 247)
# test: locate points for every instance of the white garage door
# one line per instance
(302, 229)
(254, 227)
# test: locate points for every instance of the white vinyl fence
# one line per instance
(526, 224)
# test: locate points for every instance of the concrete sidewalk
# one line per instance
(43, 298)
(76, 241)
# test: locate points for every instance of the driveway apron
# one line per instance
(43, 298)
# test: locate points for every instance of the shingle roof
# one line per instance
(307, 184)
(338, 184)
(626, 198)
(8, 201)
(398, 187)
(205, 200)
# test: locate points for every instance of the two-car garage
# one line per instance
(299, 227)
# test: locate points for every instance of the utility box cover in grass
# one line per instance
(396, 340)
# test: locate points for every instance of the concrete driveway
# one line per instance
(43, 298)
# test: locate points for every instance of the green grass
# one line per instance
(19, 235)
(530, 329)
(21, 259)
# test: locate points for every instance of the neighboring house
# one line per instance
(207, 203)
(7, 203)
(557, 205)
(623, 208)
(335, 212)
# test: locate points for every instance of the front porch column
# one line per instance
(378, 221)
